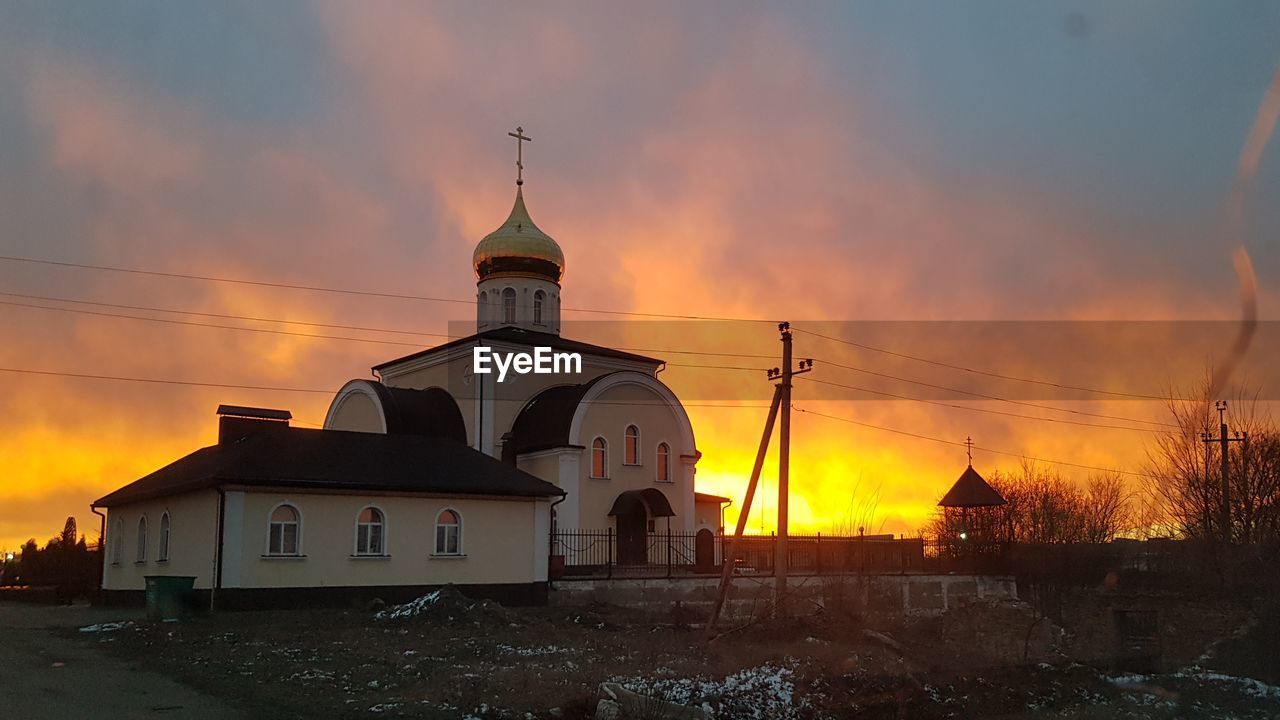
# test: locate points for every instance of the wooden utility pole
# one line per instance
(784, 463)
(781, 402)
(729, 555)
(1223, 440)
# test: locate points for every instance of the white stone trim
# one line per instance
(356, 387)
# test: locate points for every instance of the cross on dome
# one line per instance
(521, 139)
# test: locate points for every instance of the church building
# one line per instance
(430, 473)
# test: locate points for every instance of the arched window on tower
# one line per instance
(538, 299)
(664, 462)
(631, 447)
(509, 306)
(599, 458)
(483, 308)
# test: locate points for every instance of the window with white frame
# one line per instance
(664, 462)
(599, 458)
(509, 306)
(448, 533)
(539, 298)
(141, 555)
(162, 555)
(371, 532)
(117, 542)
(282, 534)
(631, 446)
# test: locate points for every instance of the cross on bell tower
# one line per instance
(968, 447)
(521, 139)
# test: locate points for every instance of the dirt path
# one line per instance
(46, 675)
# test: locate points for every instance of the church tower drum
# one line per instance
(518, 268)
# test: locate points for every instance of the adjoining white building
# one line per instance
(430, 473)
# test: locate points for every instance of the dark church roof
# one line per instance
(648, 500)
(431, 412)
(337, 460)
(520, 336)
(545, 420)
(971, 491)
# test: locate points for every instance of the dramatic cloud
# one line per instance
(688, 160)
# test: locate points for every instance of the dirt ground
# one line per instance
(449, 657)
(48, 672)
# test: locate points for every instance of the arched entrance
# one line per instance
(632, 511)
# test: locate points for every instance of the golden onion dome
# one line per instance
(518, 248)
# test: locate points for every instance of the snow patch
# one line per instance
(762, 692)
(106, 627)
(413, 608)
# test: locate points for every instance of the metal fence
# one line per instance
(604, 553)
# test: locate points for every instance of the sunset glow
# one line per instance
(765, 170)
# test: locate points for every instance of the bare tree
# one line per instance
(1108, 508)
(1184, 478)
(1042, 506)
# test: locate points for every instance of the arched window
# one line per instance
(370, 532)
(483, 308)
(142, 540)
(599, 458)
(448, 533)
(282, 535)
(631, 446)
(664, 462)
(117, 542)
(538, 298)
(509, 306)
(163, 554)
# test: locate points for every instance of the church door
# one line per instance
(633, 541)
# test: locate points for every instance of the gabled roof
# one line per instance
(531, 338)
(971, 491)
(335, 459)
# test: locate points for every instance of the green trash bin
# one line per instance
(169, 597)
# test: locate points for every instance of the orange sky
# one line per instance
(685, 175)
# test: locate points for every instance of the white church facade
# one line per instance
(429, 473)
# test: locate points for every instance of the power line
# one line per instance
(191, 323)
(406, 296)
(939, 403)
(158, 381)
(976, 447)
(674, 365)
(825, 362)
(908, 398)
(403, 344)
(309, 335)
(346, 291)
(223, 316)
(1000, 376)
(997, 398)
(234, 386)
